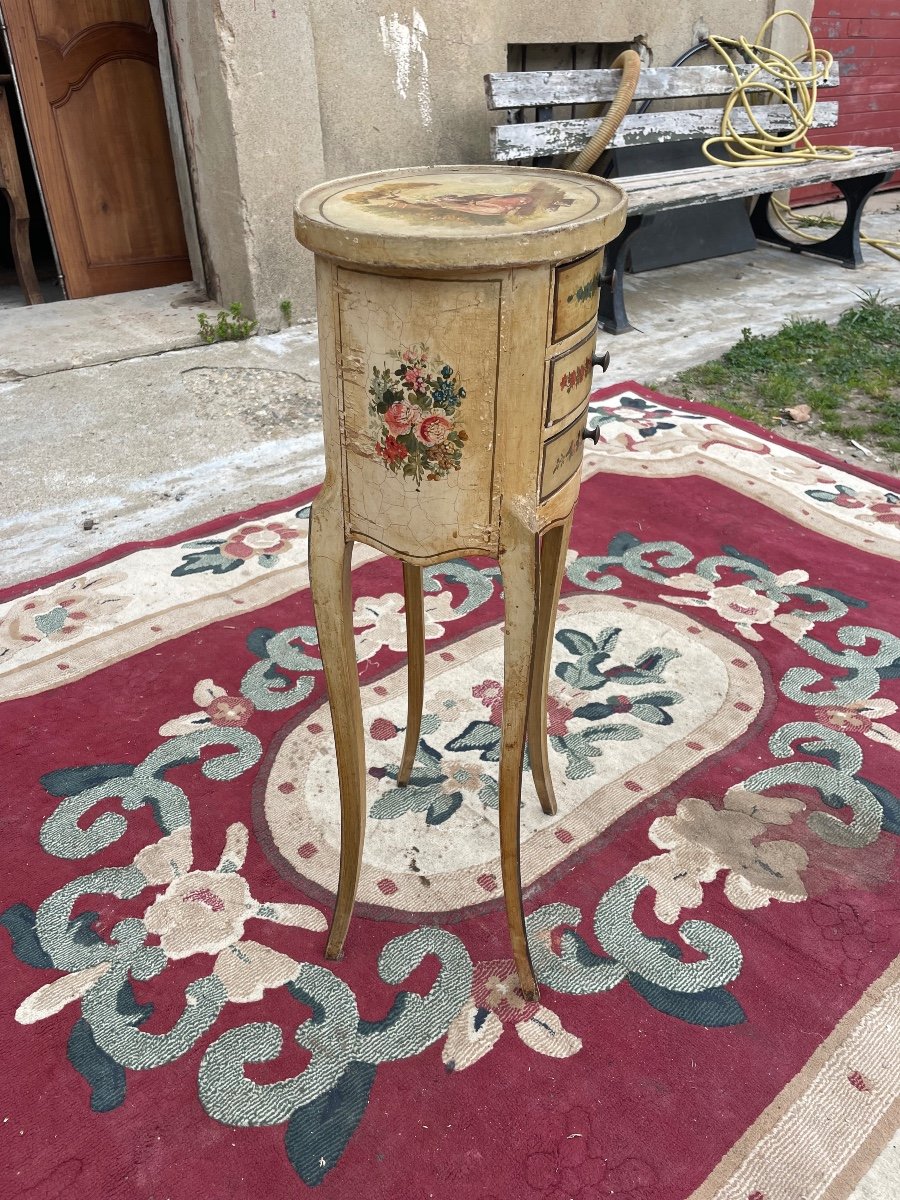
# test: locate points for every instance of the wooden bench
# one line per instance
(648, 195)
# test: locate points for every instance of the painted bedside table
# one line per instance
(457, 322)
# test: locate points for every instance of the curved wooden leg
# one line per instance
(329, 565)
(12, 187)
(414, 605)
(519, 567)
(554, 544)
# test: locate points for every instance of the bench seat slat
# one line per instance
(511, 142)
(525, 89)
(700, 185)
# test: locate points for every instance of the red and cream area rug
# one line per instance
(713, 911)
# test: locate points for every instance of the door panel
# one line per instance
(62, 20)
(89, 77)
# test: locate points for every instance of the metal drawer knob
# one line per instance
(592, 435)
(601, 361)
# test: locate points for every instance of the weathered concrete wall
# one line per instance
(250, 109)
(280, 94)
(401, 86)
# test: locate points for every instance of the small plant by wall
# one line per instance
(230, 326)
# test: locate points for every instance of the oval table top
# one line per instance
(459, 217)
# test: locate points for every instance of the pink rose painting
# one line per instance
(400, 417)
(433, 429)
(416, 404)
(414, 379)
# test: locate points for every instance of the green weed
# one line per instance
(231, 326)
(848, 374)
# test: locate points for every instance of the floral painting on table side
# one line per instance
(416, 405)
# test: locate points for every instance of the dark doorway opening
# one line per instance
(12, 294)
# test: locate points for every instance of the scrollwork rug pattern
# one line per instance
(713, 912)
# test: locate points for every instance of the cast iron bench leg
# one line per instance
(843, 246)
(612, 316)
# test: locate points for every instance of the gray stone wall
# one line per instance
(279, 94)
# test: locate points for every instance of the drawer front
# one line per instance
(562, 455)
(570, 379)
(576, 295)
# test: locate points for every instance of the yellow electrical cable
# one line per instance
(794, 224)
(785, 83)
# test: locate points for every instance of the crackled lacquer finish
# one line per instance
(570, 377)
(461, 202)
(562, 456)
(459, 217)
(576, 295)
(457, 309)
(419, 372)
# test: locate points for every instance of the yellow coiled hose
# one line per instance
(793, 82)
(789, 81)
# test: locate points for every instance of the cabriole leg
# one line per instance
(554, 544)
(329, 565)
(415, 671)
(519, 567)
(12, 187)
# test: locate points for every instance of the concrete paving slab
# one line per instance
(43, 338)
(97, 456)
(693, 313)
(881, 1180)
(147, 446)
(12, 296)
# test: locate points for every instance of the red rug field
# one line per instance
(713, 912)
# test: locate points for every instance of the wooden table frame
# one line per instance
(531, 568)
(532, 312)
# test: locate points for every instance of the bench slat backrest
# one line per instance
(511, 142)
(524, 89)
(520, 89)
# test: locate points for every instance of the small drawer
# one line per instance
(576, 295)
(562, 455)
(569, 380)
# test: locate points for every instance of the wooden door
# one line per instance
(88, 72)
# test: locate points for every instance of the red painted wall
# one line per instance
(864, 37)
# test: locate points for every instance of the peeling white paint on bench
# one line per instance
(511, 142)
(524, 89)
(552, 92)
(701, 185)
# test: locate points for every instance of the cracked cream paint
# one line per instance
(405, 43)
(457, 320)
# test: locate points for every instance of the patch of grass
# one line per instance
(287, 311)
(848, 374)
(231, 326)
